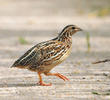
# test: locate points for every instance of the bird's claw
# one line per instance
(44, 84)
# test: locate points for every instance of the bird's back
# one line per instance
(43, 54)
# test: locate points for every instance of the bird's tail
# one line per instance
(12, 66)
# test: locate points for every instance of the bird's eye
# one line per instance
(73, 28)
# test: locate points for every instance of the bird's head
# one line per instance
(70, 30)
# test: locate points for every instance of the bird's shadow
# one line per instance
(24, 84)
(19, 85)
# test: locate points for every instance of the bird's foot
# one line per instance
(58, 75)
(62, 77)
(44, 84)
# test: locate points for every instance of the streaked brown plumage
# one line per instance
(46, 55)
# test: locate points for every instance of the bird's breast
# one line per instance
(48, 67)
(67, 53)
(62, 58)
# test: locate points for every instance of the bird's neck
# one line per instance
(65, 38)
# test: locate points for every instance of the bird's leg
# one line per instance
(41, 82)
(58, 75)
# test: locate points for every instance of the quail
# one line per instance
(44, 56)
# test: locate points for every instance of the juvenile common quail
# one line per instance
(44, 56)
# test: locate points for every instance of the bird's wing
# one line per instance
(52, 52)
(42, 53)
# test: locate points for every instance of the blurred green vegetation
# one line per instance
(103, 12)
(101, 93)
(88, 41)
(23, 41)
(100, 12)
(96, 93)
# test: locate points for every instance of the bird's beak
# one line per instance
(78, 29)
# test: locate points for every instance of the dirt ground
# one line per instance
(20, 31)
